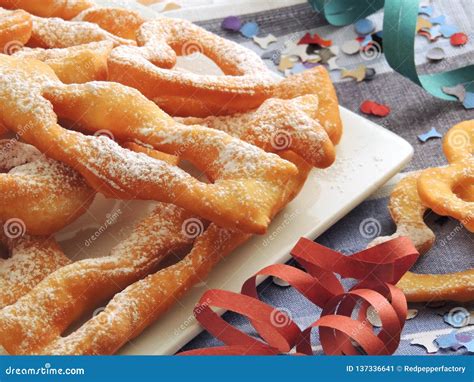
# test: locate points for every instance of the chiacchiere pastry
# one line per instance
(253, 136)
(447, 191)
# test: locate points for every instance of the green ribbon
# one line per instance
(399, 25)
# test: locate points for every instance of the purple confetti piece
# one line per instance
(448, 341)
(231, 23)
(464, 337)
(309, 65)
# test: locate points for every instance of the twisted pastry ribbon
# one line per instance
(376, 270)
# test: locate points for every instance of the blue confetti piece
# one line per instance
(249, 29)
(367, 40)
(426, 10)
(440, 20)
(274, 55)
(364, 27)
(298, 68)
(435, 32)
(448, 30)
(448, 341)
(468, 102)
(469, 346)
(429, 135)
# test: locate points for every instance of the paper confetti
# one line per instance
(273, 55)
(373, 108)
(426, 10)
(468, 102)
(425, 33)
(170, 7)
(278, 281)
(357, 73)
(458, 39)
(314, 39)
(466, 340)
(428, 342)
(334, 49)
(439, 20)
(436, 54)
(364, 27)
(293, 49)
(313, 49)
(373, 317)
(429, 135)
(263, 42)
(458, 91)
(333, 64)
(309, 65)
(448, 341)
(313, 58)
(249, 29)
(298, 68)
(286, 62)
(366, 41)
(369, 74)
(435, 32)
(448, 30)
(351, 47)
(326, 54)
(423, 23)
(231, 23)
(412, 313)
(377, 38)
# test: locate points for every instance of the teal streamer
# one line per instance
(400, 18)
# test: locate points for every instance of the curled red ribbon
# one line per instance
(376, 270)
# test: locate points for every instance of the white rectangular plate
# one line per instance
(367, 157)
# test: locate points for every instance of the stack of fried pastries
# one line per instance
(73, 71)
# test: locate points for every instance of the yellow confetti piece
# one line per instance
(149, 2)
(286, 62)
(170, 7)
(423, 23)
(357, 73)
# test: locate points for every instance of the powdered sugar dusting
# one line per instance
(59, 33)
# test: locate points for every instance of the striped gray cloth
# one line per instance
(413, 112)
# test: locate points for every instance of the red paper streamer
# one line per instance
(376, 269)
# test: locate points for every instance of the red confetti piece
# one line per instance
(373, 108)
(315, 39)
(459, 39)
(377, 269)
